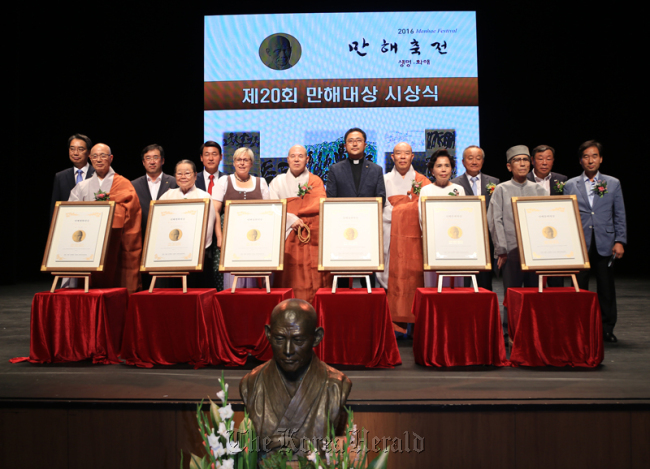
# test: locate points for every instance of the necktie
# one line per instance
(474, 188)
(211, 185)
(80, 176)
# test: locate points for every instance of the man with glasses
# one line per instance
(477, 183)
(78, 149)
(502, 223)
(121, 268)
(600, 200)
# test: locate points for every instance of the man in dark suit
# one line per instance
(356, 176)
(476, 183)
(543, 157)
(78, 150)
(600, 201)
(211, 158)
(154, 183)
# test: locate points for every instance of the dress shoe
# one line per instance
(609, 337)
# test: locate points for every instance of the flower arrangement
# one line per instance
(416, 187)
(102, 196)
(303, 189)
(600, 188)
(489, 188)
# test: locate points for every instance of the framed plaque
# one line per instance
(253, 235)
(78, 237)
(175, 237)
(351, 234)
(549, 233)
(455, 233)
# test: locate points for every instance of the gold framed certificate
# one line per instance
(351, 234)
(78, 237)
(549, 233)
(175, 237)
(455, 233)
(253, 235)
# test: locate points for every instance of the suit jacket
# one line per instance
(340, 182)
(142, 189)
(64, 182)
(554, 177)
(200, 180)
(483, 181)
(606, 219)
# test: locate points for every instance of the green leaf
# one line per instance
(381, 462)
(196, 462)
(214, 413)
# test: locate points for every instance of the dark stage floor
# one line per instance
(623, 377)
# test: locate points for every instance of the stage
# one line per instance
(513, 416)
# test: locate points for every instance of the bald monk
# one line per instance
(125, 244)
(300, 258)
(289, 397)
(403, 271)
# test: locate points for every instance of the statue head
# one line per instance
(293, 333)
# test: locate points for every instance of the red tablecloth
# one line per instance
(168, 326)
(457, 327)
(70, 325)
(358, 328)
(245, 313)
(558, 327)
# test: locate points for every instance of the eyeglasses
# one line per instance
(519, 160)
(101, 156)
(78, 149)
(242, 160)
(151, 158)
(186, 174)
(354, 140)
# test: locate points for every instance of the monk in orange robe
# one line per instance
(303, 191)
(122, 262)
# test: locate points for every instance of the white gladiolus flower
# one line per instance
(223, 431)
(213, 440)
(311, 457)
(227, 464)
(233, 447)
(221, 395)
(226, 412)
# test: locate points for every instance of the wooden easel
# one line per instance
(83, 275)
(365, 275)
(181, 275)
(558, 273)
(455, 273)
(265, 275)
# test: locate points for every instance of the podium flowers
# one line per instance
(102, 196)
(600, 188)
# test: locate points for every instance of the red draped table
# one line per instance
(457, 327)
(358, 328)
(245, 313)
(167, 327)
(70, 325)
(558, 327)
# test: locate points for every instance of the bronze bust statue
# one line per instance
(289, 397)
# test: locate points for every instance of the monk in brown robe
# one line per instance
(303, 191)
(121, 266)
(290, 397)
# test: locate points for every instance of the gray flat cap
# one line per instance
(517, 150)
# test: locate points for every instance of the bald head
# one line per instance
(101, 159)
(279, 50)
(402, 156)
(297, 159)
(295, 311)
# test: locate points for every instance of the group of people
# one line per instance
(599, 196)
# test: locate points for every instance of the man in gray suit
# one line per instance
(476, 183)
(543, 157)
(154, 183)
(356, 176)
(64, 181)
(600, 201)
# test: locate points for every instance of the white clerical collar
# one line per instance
(356, 161)
(538, 179)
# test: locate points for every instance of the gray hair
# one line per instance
(474, 146)
(190, 162)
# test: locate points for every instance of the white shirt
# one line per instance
(194, 193)
(589, 186)
(154, 186)
(434, 190)
(545, 183)
(479, 191)
(206, 178)
(221, 185)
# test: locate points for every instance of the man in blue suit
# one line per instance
(356, 176)
(600, 200)
(64, 181)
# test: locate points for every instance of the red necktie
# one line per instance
(211, 185)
